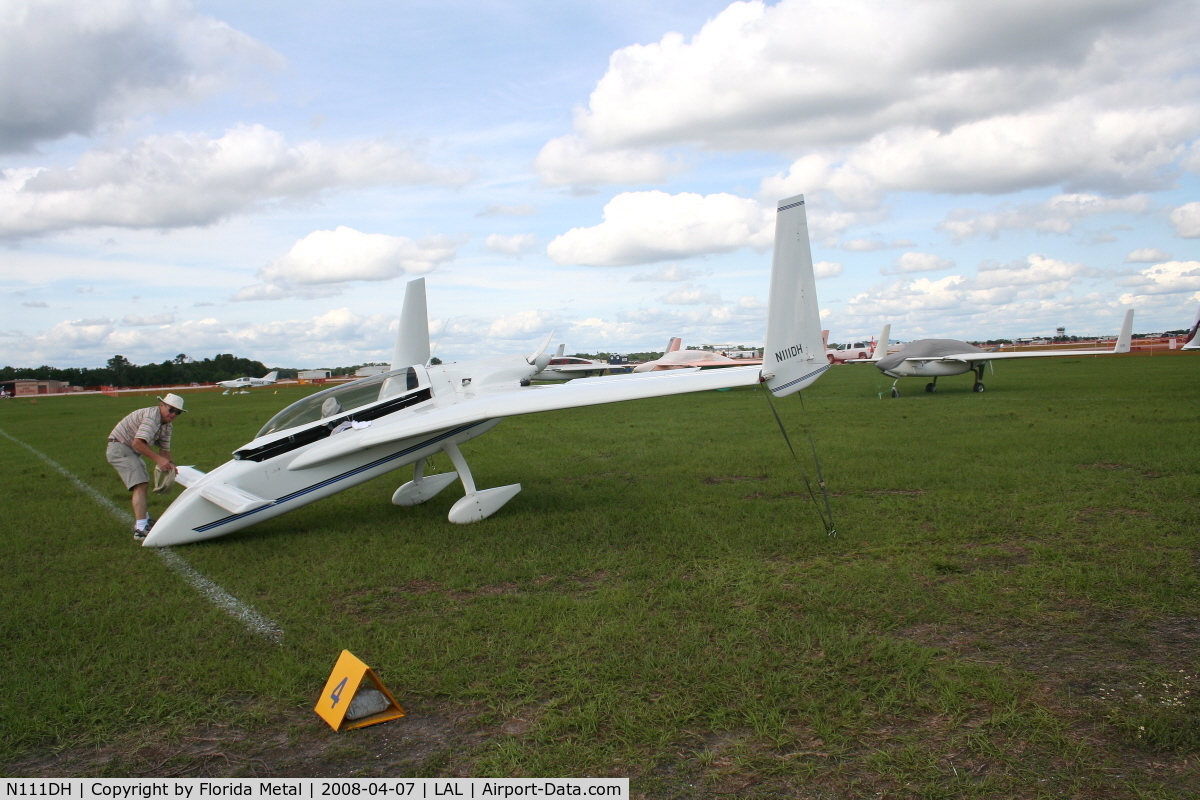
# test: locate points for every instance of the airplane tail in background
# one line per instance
(271, 376)
(881, 346)
(1193, 341)
(673, 345)
(793, 354)
(1126, 334)
(412, 339)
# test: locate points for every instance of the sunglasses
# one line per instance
(174, 411)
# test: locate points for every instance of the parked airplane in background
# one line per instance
(244, 384)
(1193, 340)
(859, 351)
(935, 358)
(677, 358)
(343, 436)
(566, 368)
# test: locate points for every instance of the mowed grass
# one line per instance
(1010, 606)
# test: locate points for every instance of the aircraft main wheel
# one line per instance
(931, 387)
(895, 392)
(979, 387)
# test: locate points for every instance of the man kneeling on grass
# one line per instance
(131, 440)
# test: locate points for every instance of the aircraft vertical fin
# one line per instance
(1126, 334)
(793, 354)
(881, 346)
(412, 339)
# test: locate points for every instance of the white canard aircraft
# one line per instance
(677, 358)
(565, 368)
(346, 435)
(244, 384)
(935, 358)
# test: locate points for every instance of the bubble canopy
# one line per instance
(340, 399)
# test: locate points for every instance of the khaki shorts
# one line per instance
(127, 463)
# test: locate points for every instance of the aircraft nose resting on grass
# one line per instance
(346, 435)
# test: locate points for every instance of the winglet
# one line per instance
(1193, 340)
(412, 338)
(793, 356)
(1126, 334)
(673, 345)
(881, 347)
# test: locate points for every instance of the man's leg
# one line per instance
(138, 495)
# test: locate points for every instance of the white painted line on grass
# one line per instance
(253, 621)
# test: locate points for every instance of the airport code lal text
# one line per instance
(196, 788)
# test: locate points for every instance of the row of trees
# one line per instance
(120, 371)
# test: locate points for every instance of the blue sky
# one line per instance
(262, 178)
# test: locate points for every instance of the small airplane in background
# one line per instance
(676, 358)
(342, 436)
(936, 358)
(241, 385)
(565, 368)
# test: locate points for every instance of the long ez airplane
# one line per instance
(348, 434)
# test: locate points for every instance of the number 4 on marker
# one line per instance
(336, 694)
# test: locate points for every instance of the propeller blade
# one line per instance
(532, 357)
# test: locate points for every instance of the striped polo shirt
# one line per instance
(145, 423)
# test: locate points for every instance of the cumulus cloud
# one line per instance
(690, 295)
(644, 227)
(569, 161)
(827, 269)
(181, 180)
(994, 286)
(1171, 277)
(871, 245)
(513, 245)
(669, 273)
(918, 262)
(318, 264)
(1186, 220)
(523, 324)
(518, 210)
(1147, 255)
(70, 68)
(157, 319)
(1060, 214)
(952, 96)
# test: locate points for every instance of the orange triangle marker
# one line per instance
(344, 684)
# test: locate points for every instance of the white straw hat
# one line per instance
(174, 401)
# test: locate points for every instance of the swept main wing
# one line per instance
(1030, 354)
(526, 400)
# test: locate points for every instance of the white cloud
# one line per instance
(513, 245)
(35, 304)
(318, 263)
(644, 227)
(69, 68)
(827, 269)
(919, 262)
(951, 96)
(1171, 277)
(1034, 279)
(871, 245)
(1147, 255)
(689, 295)
(178, 180)
(669, 273)
(517, 210)
(523, 325)
(1059, 214)
(1186, 220)
(569, 161)
(157, 319)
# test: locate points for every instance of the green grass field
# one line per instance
(1010, 606)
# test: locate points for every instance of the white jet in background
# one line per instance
(244, 384)
(345, 435)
